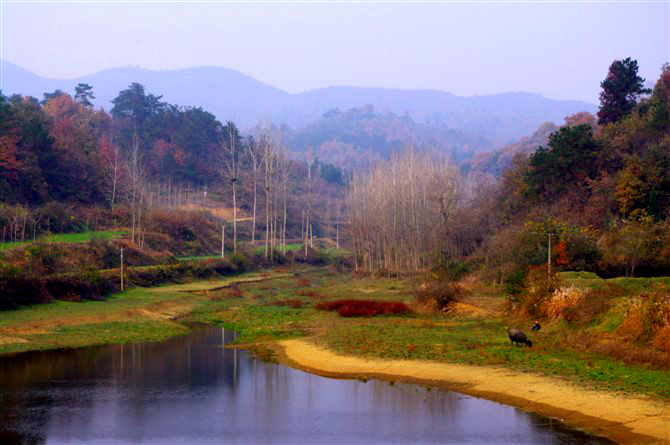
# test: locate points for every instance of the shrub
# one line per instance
(438, 294)
(562, 303)
(451, 270)
(648, 318)
(514, 282)
(576, 305)
(365, 308)
(538, 288)
(22, 291)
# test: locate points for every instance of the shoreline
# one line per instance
(619, 417)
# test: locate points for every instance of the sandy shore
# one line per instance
(622, 418)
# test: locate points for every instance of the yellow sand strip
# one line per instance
(623, 418)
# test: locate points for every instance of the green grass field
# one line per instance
(291, 247)
(81, 237)
(629, 284)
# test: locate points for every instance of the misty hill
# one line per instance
(229, 94)
(353, 137)
(494, 163)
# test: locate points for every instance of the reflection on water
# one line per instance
(191, 390)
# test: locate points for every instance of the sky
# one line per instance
(559, 49)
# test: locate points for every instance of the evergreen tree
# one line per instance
(620, 91)
(83, 93)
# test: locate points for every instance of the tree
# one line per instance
(255, 158)
(137, 188)
(132, 110)
(49, 96)
(630, 189)
(230, 153)
(620, 91)
(269, 156)
(83, 92)
(570, 159)
(399, 211)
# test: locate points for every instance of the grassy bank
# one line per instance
(285, 308)
(138, 314)
(281, 304)
(68, 238)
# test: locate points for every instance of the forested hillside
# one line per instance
(597, 188)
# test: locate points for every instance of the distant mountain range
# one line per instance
(499, 118)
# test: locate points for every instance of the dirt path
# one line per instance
(623, 418)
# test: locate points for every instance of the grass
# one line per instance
(630, 285)
(484, 342)
(119, 319)
(259, 313)
(265, 307)
(201, 257)
(290, 247)
(81, 237)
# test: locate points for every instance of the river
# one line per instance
(190, 390)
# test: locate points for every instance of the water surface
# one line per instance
(191, 390)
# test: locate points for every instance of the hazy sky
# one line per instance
(560, 50)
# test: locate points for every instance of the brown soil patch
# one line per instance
(620, 417)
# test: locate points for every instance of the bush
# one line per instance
(576, 305)
(452, 270)
(365, 308)
(563, 303)
(21, 291)
(538, 287)
(89, 284)
(514, 282)
(648, 318)
(438, 294)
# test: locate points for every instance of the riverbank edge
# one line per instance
(618, 417)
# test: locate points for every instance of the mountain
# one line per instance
(499, 118)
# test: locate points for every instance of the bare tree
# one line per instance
(285, 166)
(269, 156)
(230, 152)
(255, 159)
(311, 177)
(400, 210)
(137, 189)
(114, 172)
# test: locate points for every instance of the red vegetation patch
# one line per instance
(365, 308)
